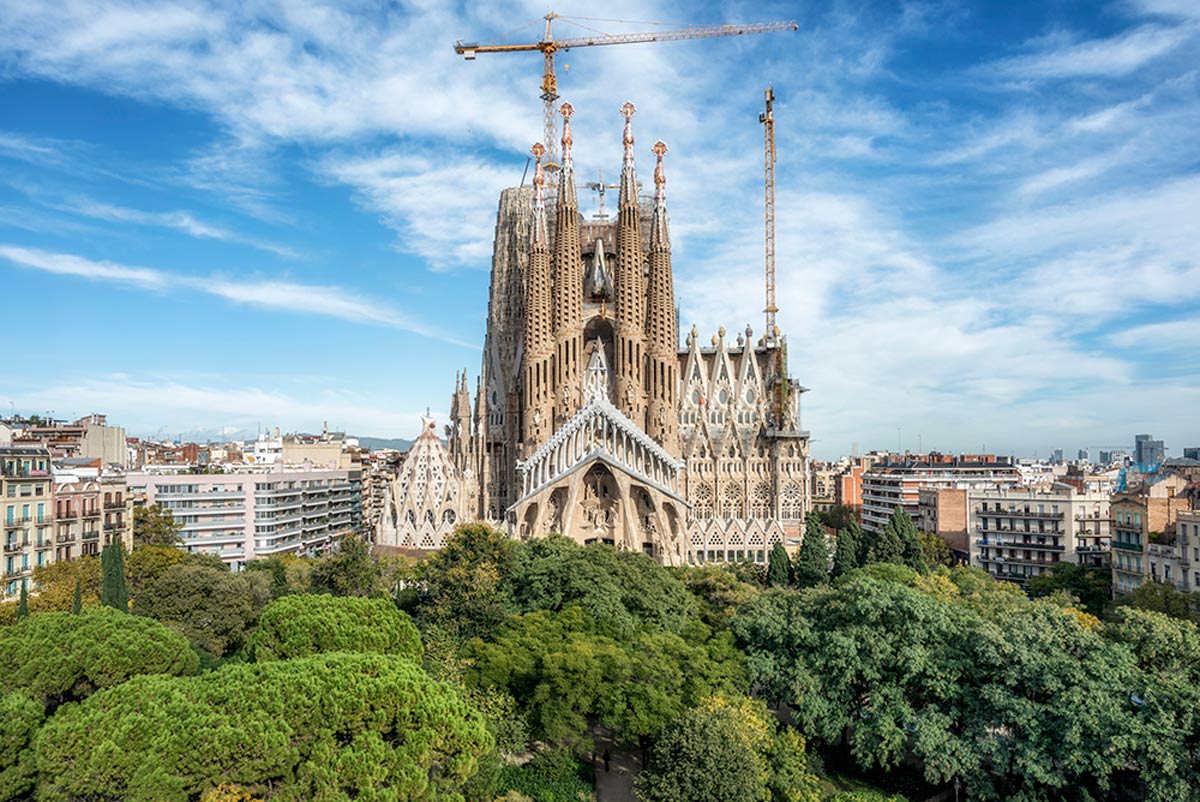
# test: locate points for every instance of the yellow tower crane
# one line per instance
(548, 46)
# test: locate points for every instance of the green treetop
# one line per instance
(113, 590)
(779, 567)
(812, 561)
(155, 526)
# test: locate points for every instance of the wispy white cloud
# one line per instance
(326, 301)
(441, 212)
(178, 220)
(1082, 170)
(1113, 56)
(15, 146)
(65, 264)
(1171, 335)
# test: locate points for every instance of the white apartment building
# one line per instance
(898, 482)
(1018, 533)
(248, 514)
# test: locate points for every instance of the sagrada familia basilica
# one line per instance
(588, 418)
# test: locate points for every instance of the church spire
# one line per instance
(538, 396)
(630, 312)
(661, 333)
(628, 178)
(568, 284)
(540, 238)
(659, 237)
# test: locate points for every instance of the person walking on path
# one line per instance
(607, 759)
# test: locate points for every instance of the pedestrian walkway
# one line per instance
(624, 765)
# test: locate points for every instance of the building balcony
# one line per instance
(1026, 544)
(43, 545)
(1049, 516)
(65, 539)
(23, 474)
(16, 546)
(88, 536)
(1120, 544)
(198, 526)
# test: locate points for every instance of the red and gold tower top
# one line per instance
(660, 175)
(627, 111)
(539, 175)
(566, 110)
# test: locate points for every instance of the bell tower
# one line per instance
(630, 288)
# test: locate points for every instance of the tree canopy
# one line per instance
(727, 750)
(1022, 700)
(304, 625)
(213, 608)
(812, 561)
(154, 525)
(331, 727)
(60, 657)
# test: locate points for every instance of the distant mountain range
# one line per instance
(381, 443)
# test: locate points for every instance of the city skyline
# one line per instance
(987, 221)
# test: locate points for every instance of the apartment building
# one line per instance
(1140, 518)
(823, 493)
(91, 437)
(943, 511)
(1018, 533)
(89, 514)
(897, 480)
(245, 515)
(1177, 558)
(26, 513)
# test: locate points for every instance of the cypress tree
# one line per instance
(779, 567)
(845, 555)
(862, 540)
(812, 561)
(910, 539)
(888, 546)
(23, 603)
(113, 591)
(77, 602)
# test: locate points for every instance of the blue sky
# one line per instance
(215, 216)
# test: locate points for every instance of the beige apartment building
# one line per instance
(1018, 533)
(1140, 518)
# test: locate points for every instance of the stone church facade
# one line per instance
(590, 420)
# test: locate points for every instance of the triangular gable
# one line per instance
(599, 431)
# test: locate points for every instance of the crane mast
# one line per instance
(548, 46)
(767, 118)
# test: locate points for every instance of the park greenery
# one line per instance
(861, 669)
